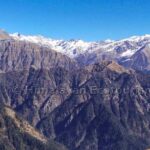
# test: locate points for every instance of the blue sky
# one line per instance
(76, 19)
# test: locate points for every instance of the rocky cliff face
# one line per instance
(100, 106)
(16, 56)
(103, 106)
(123, 51)
(16, 133)
(140, 60)
(109, 110)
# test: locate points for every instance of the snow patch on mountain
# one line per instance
(70, 48)
(73, 48)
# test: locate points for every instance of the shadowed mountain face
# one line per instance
(16, 133)
(102, 106)
(140, 60)
(16, 56)
(98, 107)
(37, 51)
(123, 51)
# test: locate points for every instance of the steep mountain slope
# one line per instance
(140, 60)
(98, 106)
(35, 93)
(109, 111)
(16, 55)
(90, 52)
(103, 106)
(18, 134)
(73, 48)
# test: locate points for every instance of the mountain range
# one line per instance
(84, 95)
(124, 51)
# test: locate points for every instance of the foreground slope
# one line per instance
(103, 106)
(18, 134)
(113, 115)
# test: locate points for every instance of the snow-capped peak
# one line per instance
(137, 38)
(73, 48)
(34, 39)
(109, 41)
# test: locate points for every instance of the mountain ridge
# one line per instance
(86, 53)
(101, 106)
(87, 102)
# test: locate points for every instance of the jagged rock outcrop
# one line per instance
(98, 106)
(17, 56)
(111, 113)
(123, 51)
(102, 106)
(140, 60)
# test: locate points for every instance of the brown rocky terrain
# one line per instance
(140, 60)
(103, 106)
(16, 133)
(15, 55)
